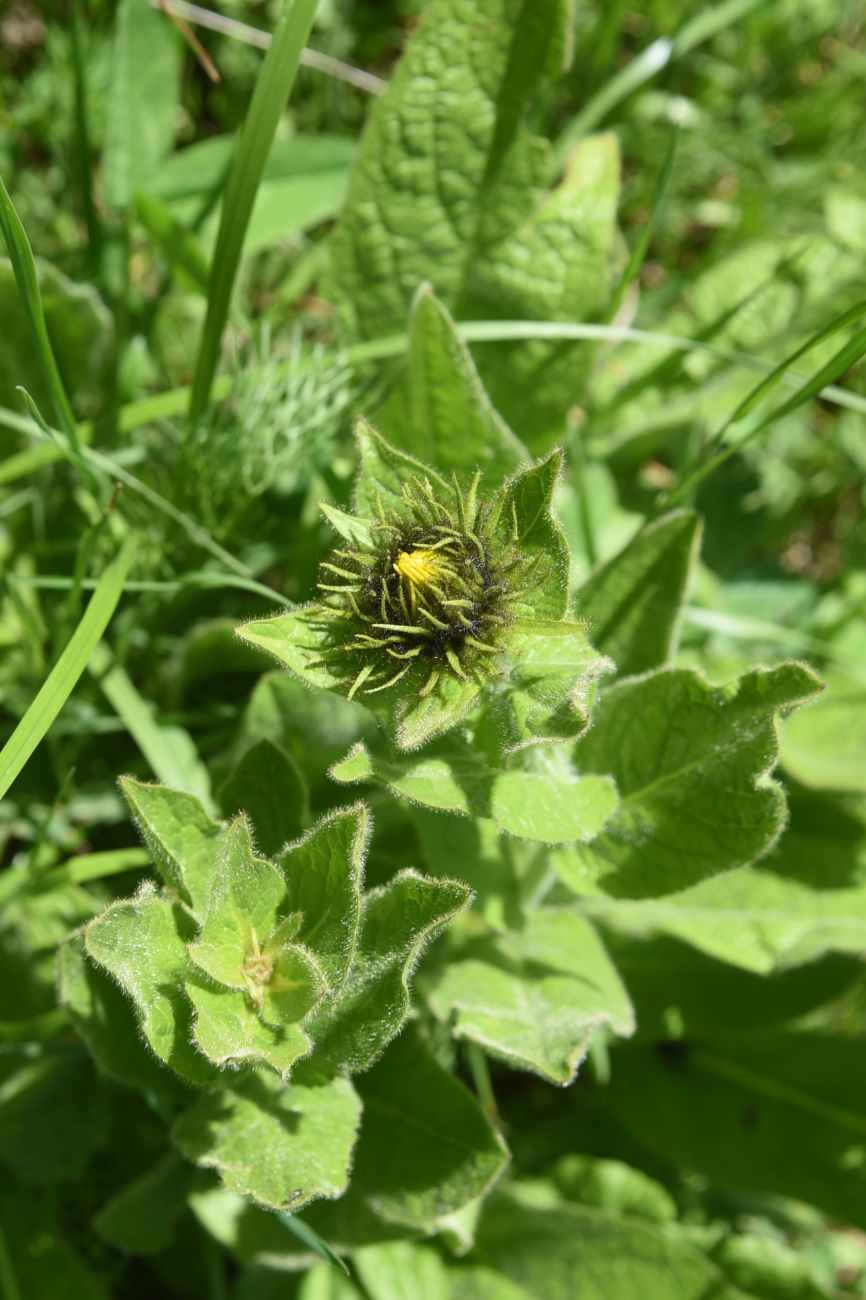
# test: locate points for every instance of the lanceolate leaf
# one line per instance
(323, 874)
(632, 604)
(535, 997)
(527, 520)
(183, 839)
(280, 1145)
(426, 1148)
(398, 921)
(691, 765)
(440, 410)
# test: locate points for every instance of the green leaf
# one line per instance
(551, 806)
(229, 1032)
(142, 942)
(81, 331)
(382, 471)
(24, 266)
(535, 997)
(100, 1013)
(141, 1219)
(323, 874)
(552, 671)
(767, 1268)
(806, 899)
(267, 785)
(54, 1114)
(565, 1252)
(272, 89)
(691, 764)
(774, 1112)
(614, 1187)
(145, 71)
(441, 410)
(527, 520)
(824, 747)
(280, 1145)
(398, 921)
(245, 938)
(426, 1148)
(632, 604)
(450, 188)
(61, 681)
(183, 839)
(35, 1257)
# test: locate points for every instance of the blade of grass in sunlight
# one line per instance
(839, 363)
(24, 266)
(63, 677)
(269, 100)
(170, 752)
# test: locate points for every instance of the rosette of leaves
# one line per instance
(444, 594)
(266, 984)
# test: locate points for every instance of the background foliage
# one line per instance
(638, 866)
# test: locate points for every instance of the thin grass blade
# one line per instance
(62, 679)
(269, 99)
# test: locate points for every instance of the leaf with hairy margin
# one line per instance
(141, 942)
(398, 921)
(535, 997)
(280, 1145)
(183, 839)
(632, 603)
(691, 763)
(551, 806)
(440, 408)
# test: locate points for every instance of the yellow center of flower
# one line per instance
(418, 567)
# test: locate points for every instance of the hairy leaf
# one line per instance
(535, 997)
(426, 1148)
(691, 764)
(183, 839)
(280, 1145)
(397, 922)
(632, 604)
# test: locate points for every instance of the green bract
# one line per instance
(439, 589)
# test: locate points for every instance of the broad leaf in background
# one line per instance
(691, 765)
(824, 747)
(141, 942)
(426, 1148)
(141, 1218)
(775, 1112)
(280, 1145)
(55, 1114)
(440, 409)
(38, 1260)
(632, 604)
(614, 1187)
(450, 187)
(535, 997)
(268, 786)
(398, 921)
(549, 805)
(145, 71)
(805, 899)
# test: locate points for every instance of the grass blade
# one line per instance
(269, 98)
(311, 1239)
(169, 751)
(24, 266)
(63, 677)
